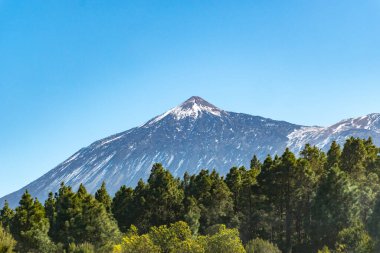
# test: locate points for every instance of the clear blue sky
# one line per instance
(72, 72)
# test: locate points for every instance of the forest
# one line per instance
(312, 202)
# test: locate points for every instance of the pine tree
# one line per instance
(122, 208)
(103, 197)
(6, 216)
(374, 224)
(164, 197)
(67, 209)
(50, 211)
(193, 214)
(353, 158)
(316, 159)
(255, 163)
(213, 197)
(82, 219)
(333, 155)
(336, 207)
(241, 182)
(30, 227)
(93, 224)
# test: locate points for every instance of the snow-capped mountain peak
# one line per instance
(194, 135)
(194, 107)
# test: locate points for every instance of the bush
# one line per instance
(223, 241)
(7, 243)
(261, 246)
(81, 248)
(136, 244)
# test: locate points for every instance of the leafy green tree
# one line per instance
(168, 237)
(7, 243)
(261, 246)
(223, 240)
(354, 239)
(188, 246)
(135, 243)
(103, 197)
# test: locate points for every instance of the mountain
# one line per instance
(192, 136)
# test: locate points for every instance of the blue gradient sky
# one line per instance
(72, 72)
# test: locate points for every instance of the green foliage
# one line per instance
(122, 207)
(325, 249)
(81, 248)
(311, 203)
(354, 239)
(30, 227)
(223, 240)
(261, 246)
(136, 244)
(164, 197)
(188, 246)
(80, 219)
(213, 196)
(7, 243)
(333, 155)
(374, 224)
(192, 215)
(50, 211)
(167, 238)
(103, 197)
(6, 215)
(335, 208)
(357, 155)
(177, 238)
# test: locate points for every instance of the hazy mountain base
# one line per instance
(315, 203)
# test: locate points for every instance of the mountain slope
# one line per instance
(190, 137)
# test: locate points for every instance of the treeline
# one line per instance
(316, 202)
